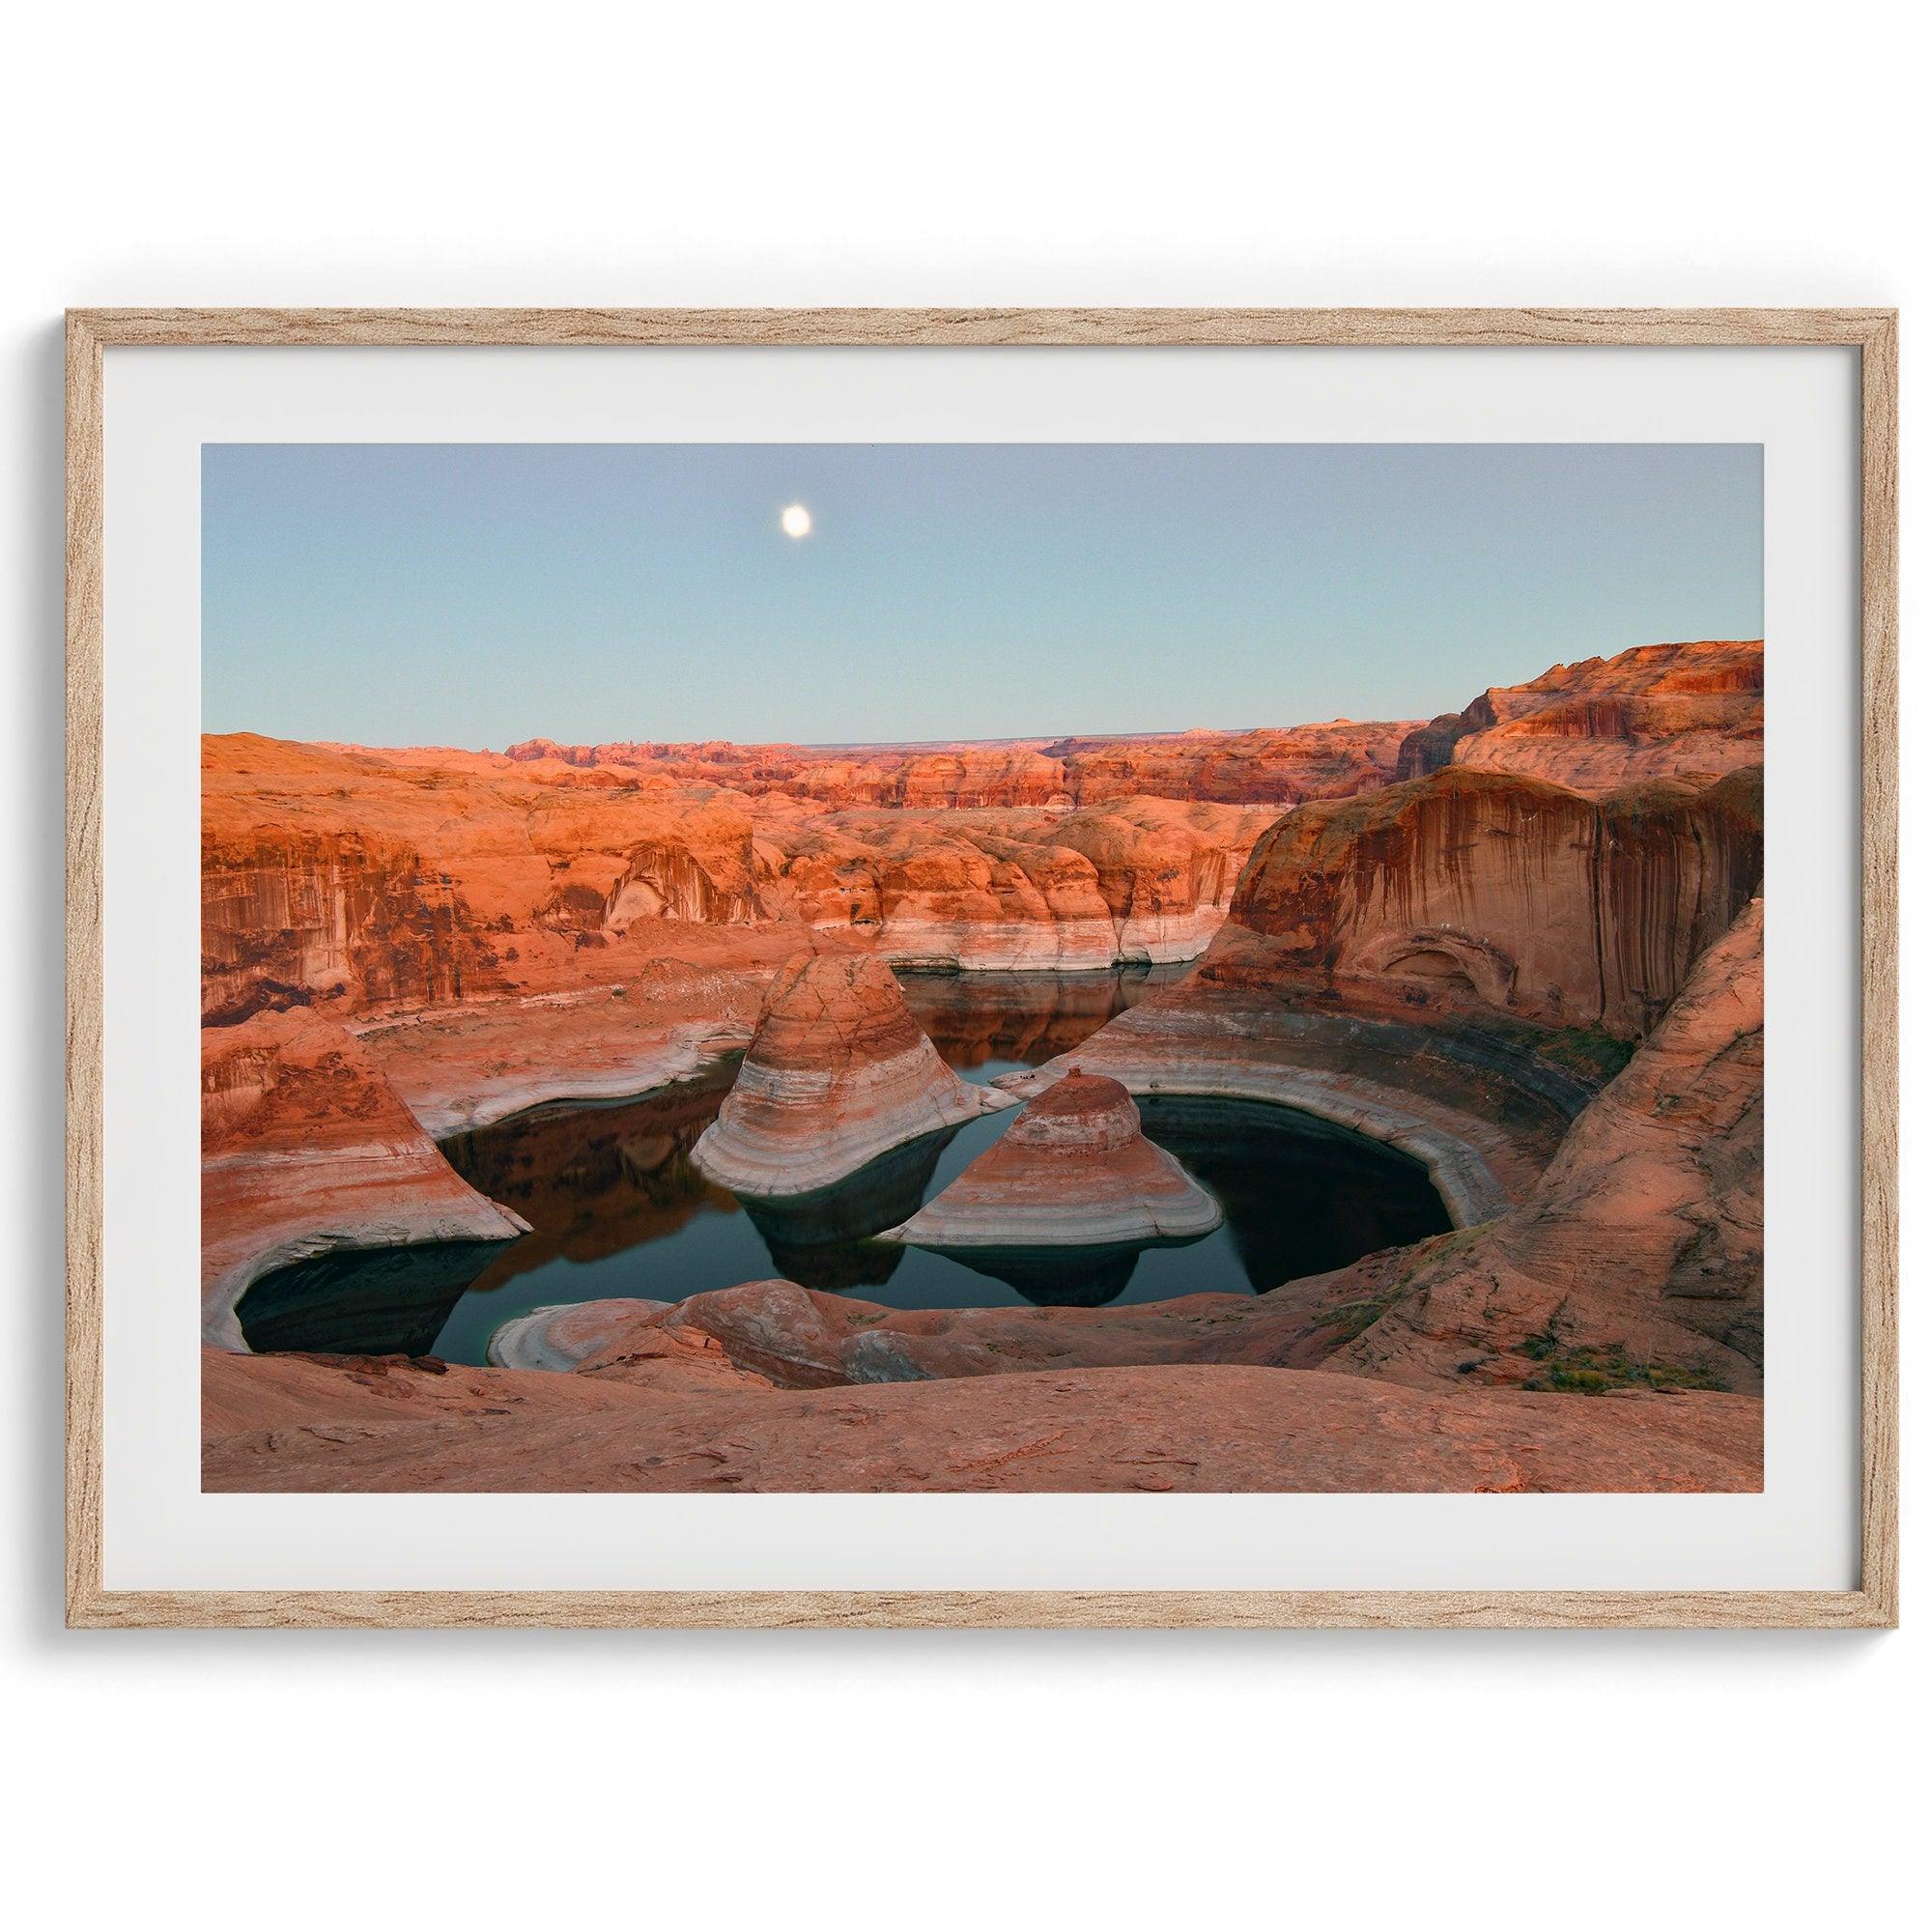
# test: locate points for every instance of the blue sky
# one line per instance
(476, 594)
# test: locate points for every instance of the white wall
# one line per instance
(570, 153)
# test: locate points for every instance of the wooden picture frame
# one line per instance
(1871, 332)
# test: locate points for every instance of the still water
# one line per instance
(616, 1208)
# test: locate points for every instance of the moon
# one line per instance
(795, 520)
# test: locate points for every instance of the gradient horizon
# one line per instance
(479, 594)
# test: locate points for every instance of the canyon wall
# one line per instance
(1474, 889)
(363, 882)
(1636, 1261)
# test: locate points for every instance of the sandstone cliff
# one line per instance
(381, 882)
(365, 882)
(1473, 889)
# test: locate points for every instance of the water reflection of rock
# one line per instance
(595, 1180)
(1301, 1196)
(821, 1241)
(363, 1302)
(974, 1018)
(1057, 1277)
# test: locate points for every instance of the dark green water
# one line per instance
(616, 1208)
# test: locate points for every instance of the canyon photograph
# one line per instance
(1102, 967)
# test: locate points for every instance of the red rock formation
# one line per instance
(1439, 965)
(1473, 889)
(305, 1149)
(462, 1067)
(795, 1336)
(1072, 1170)
(837, 1074)
(803, 1338)
(1694, 711)
(1638, 1255)
(1146, 881)
(365, 881)
(292, 1423)
(1631, 1270)
(374, 882)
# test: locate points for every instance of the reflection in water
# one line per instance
(1058, 1277)
(1022, 1018)
(616, 1208)
(1301, 1195)
(819, 1240)
(598, 1180)
(363, 1302)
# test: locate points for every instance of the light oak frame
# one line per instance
(1872, 332)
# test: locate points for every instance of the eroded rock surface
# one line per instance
(1454, 964)
(1073, 1170)
(369, 883)
(561, 1337)
(301, 1424)
(1474, 889)
(459, 1068)
(837, 1074)
(305, 1149)
(1639, 1256)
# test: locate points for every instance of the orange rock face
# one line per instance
(463, 1067)
(305, 1149)
(1073, 1170)
(372, 882)
(1693, 710)
(1482, 1103)
(837, 1074)
(364, 882)
(1473, 889)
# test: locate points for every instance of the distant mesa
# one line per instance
(1690, 710)
(837, 1074)
(1073, 1171)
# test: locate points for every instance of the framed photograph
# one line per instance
(981, 967)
